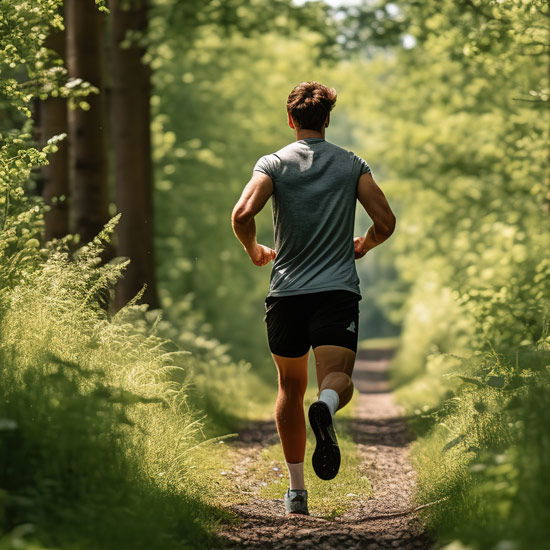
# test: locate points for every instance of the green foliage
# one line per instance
(481, 454)
(23, 27)
(102, 424)
(94, 426)
(98, 425)
(462, 134)
(98, 428)
(178, 24)
(29, 69)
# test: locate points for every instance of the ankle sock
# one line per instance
(296, 474)
(331, 398)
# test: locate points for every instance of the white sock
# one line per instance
(331, 398)
(296, 474)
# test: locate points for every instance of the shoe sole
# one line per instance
(294, 512)
(326, 457)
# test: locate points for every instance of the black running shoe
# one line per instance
(326, 457)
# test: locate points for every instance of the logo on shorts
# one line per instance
(351, 326)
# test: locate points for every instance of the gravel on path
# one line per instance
(386, 520)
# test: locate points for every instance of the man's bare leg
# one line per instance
(289, 414)
(334, 365)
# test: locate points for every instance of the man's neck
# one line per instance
(303, 134)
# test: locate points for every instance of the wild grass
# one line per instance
(227, 393)
(102, 441)
(482, 420)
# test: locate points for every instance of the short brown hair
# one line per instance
(309, 103)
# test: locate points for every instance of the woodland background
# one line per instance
(128, 130)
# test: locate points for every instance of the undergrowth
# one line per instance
(481, 418)
(98, 434)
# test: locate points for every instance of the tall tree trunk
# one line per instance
(55, 175)
(88, 156)
(130, 124)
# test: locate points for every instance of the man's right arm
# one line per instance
(374, 202)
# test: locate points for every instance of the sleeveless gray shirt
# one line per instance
(314, 199)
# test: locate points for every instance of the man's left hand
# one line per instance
(359, 247)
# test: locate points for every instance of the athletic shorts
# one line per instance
(296, 322)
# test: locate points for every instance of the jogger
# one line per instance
(328, 322)
(314, 293)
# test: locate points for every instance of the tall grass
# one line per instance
(481, 417)
(101, 438)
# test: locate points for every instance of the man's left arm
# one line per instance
(253, 198)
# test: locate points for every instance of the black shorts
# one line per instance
(296, 322)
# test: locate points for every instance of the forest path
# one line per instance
(382, 521)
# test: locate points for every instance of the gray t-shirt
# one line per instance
(314, 199)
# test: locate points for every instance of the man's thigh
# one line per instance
(286, 319)
(334, 320)
(330, 358)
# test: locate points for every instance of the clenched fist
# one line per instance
(261, 255)
(359, 247)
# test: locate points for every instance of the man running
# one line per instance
(313, 298)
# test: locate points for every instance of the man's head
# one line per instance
(309, 105)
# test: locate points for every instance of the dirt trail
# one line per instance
(382, 437)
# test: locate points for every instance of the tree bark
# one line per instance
(130, 125)
(55, 175)
(88, 168)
